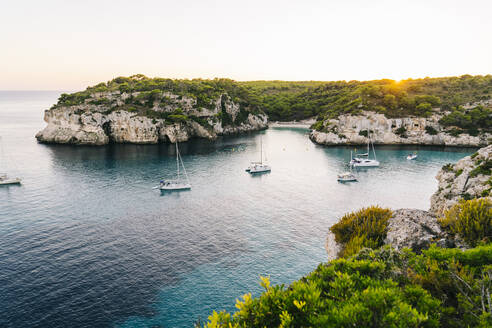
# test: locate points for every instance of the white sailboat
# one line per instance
(4, 178)
(346, 177)
(178, 184)
(259, 167)
(363, 160)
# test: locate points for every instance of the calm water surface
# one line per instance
(86, 241)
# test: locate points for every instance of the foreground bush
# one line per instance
(377, 288)
(364, 228)
(471, 220)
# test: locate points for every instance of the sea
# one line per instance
(86, 240)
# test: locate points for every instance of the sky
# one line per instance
(68, 45)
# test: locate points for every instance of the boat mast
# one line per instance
(184, 169)
(261, 150)
(373, 150)
(177, 157)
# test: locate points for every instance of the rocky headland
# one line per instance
(107, 117)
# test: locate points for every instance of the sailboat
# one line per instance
(178, 184)
(363, 160)
(259, 167)
(4, 178)
(347, 176)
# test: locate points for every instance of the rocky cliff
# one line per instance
(469, 178)
(352, 129)
(138, 117)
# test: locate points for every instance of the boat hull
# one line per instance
(175, 187)
(10, 181)
(346, 180)
(371, 163)
(262, 170)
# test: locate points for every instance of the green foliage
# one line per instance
(470, 120)
(401, 131)
(178, 118)
(471, 220)
(377, 288)
(364, 228)
(430, 130)
(484, 168)
(458, 173)
(318, 126)
(447, 167)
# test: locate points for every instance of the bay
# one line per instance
(86, 242)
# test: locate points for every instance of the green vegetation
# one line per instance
(377, 288)
(286, 101)
(430, 130)
(447, 167)
(365, 133)
(364, 228)
(484, 168)
(297, 100)
(401, 131)
(383, 287)
(471, 220)
(470, 120)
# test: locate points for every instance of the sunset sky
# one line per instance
(68, 45)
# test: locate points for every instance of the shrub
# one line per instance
(458, 173)
(343, 293)
(364, 228)
(178, 118)
(377, 288)
(318, 126)
(447, 167)
(430, 130)
(364, 133)
(470, 219)
(401, 131)
(483, 169)
(455, 132)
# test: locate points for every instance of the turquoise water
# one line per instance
(86, 241)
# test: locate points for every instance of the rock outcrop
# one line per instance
(463, 180)
(105, 118)
(416, 229)
(352, 129)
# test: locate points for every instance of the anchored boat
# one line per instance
(363, 160)
(4, 178)
(178, 184)
(259, 167)
(346, 177)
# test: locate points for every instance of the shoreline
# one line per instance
(290, 124)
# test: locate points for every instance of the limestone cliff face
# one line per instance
(462, 180)
(347, 129)
(96, 122)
